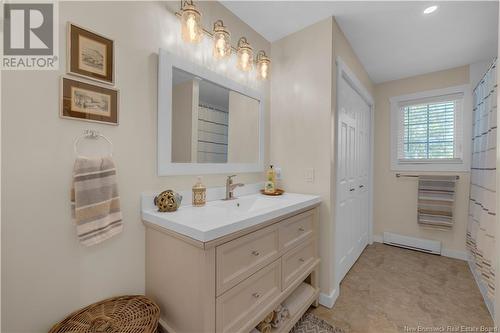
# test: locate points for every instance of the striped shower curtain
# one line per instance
(482, 204)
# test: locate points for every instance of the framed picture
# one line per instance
(90, 55)
(90, 102)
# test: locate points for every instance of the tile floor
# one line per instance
(396, 290)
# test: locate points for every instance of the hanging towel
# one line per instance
(95, 203)
(436, 198)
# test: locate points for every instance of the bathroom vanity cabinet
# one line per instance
(230, 283)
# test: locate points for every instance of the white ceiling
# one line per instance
(393, 39)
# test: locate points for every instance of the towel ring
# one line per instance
(92, 134)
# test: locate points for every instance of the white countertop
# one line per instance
(219, 218)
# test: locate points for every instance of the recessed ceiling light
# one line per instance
(430, 9)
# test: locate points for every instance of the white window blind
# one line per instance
(430, 130)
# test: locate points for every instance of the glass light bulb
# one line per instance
(263, 71)
(222, 41)
(220, 46)
(263, 64)
(245, 55)
(244, 60)
(191, 26)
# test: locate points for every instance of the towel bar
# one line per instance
(92, 134)
(398, 175)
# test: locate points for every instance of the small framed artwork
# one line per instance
(90, 55)
(90, 102)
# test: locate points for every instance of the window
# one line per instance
(428, 131)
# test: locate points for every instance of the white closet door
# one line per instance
(353, 168)
(363, 111)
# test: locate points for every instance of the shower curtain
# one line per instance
(482, 201)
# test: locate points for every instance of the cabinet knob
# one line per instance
(256, 295)
(255, 253)
(301, 259)
(301, 229)
(351, 189)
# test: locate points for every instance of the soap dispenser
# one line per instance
(199, 193)
(270, 185)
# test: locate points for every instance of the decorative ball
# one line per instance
(168, 201)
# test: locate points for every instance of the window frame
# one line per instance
(465, 116)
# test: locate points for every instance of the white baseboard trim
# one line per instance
(165, 326)
(329, 300)
(462, 255)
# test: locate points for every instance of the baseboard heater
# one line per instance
(413, 243)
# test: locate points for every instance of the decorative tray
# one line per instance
(276, 192)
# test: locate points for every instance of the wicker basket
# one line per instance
(125, 314)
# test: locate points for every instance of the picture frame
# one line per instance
(80, 100)
(90, 55)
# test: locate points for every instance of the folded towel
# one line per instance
(95, 203)
(295, 301)
(436, 198)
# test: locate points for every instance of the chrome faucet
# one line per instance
(230, 187)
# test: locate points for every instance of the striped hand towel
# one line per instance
(95, 203)
(436, 198)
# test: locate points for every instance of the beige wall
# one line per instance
(343, 49)
(46, 274)
(243, 131)
(301, 109)
(184, 110)
(395, 198)
(303, 104)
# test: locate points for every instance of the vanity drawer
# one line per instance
(297, 261)
(251, 299)
(240, 258)
(296, 229)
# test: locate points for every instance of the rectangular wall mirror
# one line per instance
(207, 123)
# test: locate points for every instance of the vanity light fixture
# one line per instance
(263, 64)
(222, 40)
(192, 32)
(430, 9)
(245, 55)
(191, 28)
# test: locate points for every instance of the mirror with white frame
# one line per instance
(207, 123)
